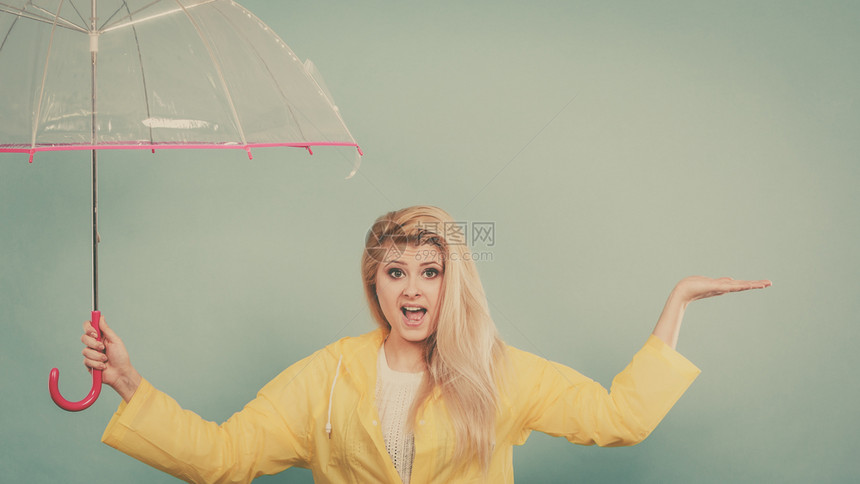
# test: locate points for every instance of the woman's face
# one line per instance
(408, 286)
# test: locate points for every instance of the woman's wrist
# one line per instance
(669, 325)
(680, 296)
(676, 304)
(127, 385)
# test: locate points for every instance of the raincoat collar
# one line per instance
(359, 356)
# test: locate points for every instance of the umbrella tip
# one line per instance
(248, 149)
(32, 152)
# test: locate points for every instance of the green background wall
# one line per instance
(616, 146)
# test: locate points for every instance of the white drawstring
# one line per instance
(331, 395)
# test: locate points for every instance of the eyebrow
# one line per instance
(398, 261)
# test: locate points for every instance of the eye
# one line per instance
(395, 273)
(431, 272)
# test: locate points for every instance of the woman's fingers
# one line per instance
(89, 337)
(94, 356)
(735, 286)
(89, 340)
(107, 331)
(94, 359)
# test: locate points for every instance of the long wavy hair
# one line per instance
(464, 355)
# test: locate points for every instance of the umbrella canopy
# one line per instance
(154, 74)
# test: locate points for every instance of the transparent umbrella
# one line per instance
(152, 74)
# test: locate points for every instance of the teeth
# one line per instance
(412, 308)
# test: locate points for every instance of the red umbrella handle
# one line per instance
(97, 379)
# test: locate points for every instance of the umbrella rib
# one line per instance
(220, 74)
(124, 4)
(331, 104)
(103, 29)
(142, 73)
(78, 12)
(269, 71)
(20, 13)
(336, 111)
(45, 77)
(126, 20)
(57, 16)
(8, 32)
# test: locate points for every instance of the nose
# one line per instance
(411, 290)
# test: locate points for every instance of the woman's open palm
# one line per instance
(700, 287)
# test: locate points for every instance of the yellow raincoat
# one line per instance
(286, 424)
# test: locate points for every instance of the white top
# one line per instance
(395, 392)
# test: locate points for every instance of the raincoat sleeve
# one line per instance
(271, 433)
(560, 401)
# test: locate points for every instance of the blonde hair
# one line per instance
(464, 354)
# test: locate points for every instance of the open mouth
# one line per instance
(413, 314)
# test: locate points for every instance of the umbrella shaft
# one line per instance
(94, 58)
(95, 235)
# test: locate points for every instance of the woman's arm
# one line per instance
(688, 290)
(267, 436)
(110, 356)
(562, 402)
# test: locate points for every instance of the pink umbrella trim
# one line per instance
(17, 148)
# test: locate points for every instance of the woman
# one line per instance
(433, 395)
